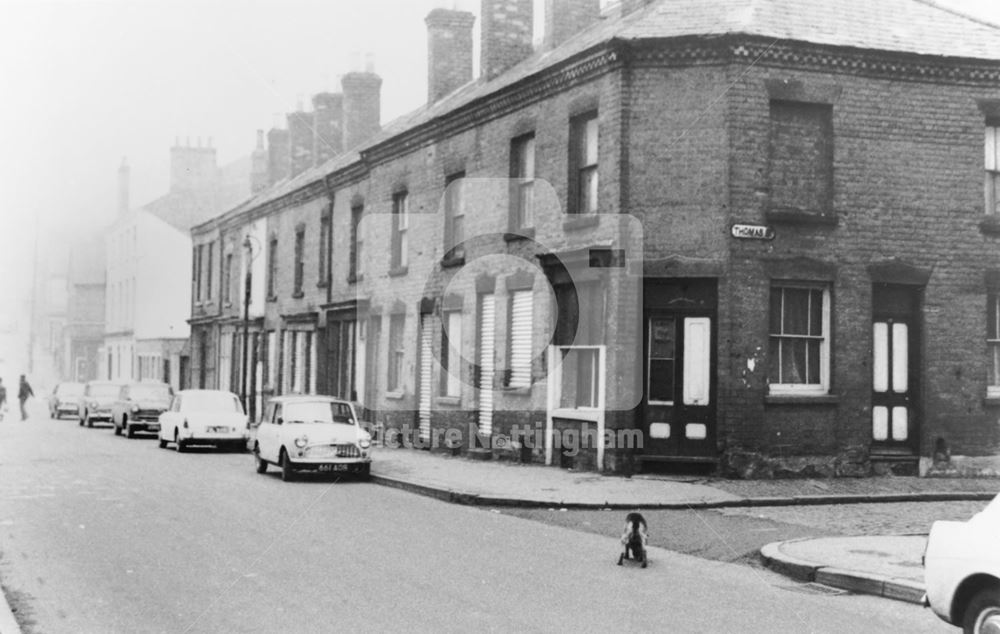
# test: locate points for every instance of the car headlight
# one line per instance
(135, 408)
(94, 404)
(365, 442)
(301, 441)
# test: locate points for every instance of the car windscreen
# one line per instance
(103, 390)
(150, 392)
(220, 402)
(69, 389)
(317, 412)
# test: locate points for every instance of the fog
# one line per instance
(85, 83)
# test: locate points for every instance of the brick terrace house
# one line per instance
(751, 234)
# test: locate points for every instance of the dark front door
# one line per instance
(678, 409)
(895, 368)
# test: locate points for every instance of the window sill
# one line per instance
(526, 233)
(448, 401)
(398, 271)
(516, 391)
(580, 221)
(451, 260)
(990, 225)
(272, 298)
(991, 401)
(354, 279)
(322, 284)
(298, 295)
(589, 415)
(227, 305)
(395, 396)
(802, 399)
(804, 218)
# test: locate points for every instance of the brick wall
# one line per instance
(907, 186)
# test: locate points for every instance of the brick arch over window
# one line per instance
(896, 271)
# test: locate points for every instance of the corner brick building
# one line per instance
(690, 231)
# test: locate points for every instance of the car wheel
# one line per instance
(80, 419)
(90, 423)
(287, 473)
(261, 463)
(162, 443)
(983, 612)
(179, 444)
(118, 430)
(129, 431)
(365, 472)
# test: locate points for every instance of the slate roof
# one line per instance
(903, 26)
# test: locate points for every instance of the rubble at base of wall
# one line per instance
(756, 465)
(965, 467)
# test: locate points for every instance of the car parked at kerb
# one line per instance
(962, 571)
(95, 403)
(312, 433)
(65, 399)
(204, 417)
(139, 406)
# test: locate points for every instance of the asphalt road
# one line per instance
(103, 534)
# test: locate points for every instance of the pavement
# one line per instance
(882, 565)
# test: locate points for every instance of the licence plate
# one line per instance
(333, 467)
(217, 430)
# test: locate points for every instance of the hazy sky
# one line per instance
(85, 82)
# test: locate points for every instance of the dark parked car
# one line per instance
(65, 399)
(139, 406)
(95, 403)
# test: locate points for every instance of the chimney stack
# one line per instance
(277, 155)
(193, 168)
(258, 165)
(449, 51)
(506, 36)
(566, 18)
(328, 138)
(362, 106)
(123, 185)
(300, 141)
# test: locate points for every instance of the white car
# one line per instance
(312, 433)
(204, 417)
(962, 571)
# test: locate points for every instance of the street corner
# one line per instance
(886, 565)
(776, 558)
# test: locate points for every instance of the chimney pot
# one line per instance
(123, 187)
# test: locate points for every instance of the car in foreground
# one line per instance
(65, 399)
(962, 571)
(95, 404)
(312, 433)
(204, 417)
(139, 406)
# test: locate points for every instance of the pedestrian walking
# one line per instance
(23, 393)
(3, 399)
